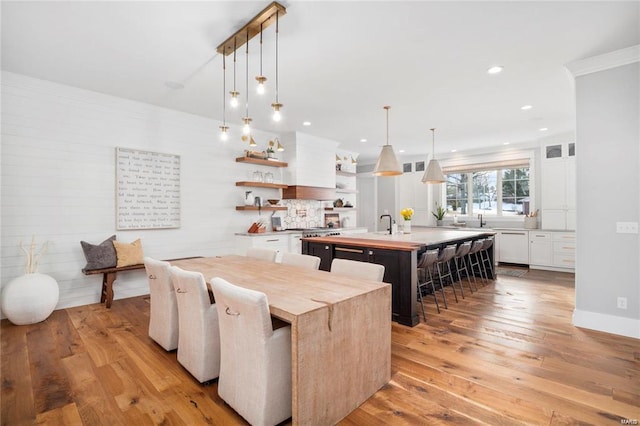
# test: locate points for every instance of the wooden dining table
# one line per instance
(340, 331)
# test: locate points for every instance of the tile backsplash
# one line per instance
(302, 214)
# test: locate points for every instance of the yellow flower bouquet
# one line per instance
(407, 213)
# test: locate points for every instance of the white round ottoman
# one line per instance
(30, 298)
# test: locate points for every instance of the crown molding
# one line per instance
(606, 61)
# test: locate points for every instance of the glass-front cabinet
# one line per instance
(559, 150)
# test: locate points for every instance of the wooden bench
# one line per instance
(109, 276)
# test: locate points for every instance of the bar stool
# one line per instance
(473, 258)
(485, 258)
(461, 264)
(425, 277)
(442, 264)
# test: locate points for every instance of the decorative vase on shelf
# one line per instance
(406, 227)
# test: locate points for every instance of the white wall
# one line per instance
(58, 181)
(608, 191)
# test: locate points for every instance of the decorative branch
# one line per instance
(32, 257)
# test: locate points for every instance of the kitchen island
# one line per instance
(398, 253)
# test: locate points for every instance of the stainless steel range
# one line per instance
(317, 232)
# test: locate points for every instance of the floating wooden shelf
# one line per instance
(265, 208)
(261, 162)
(339, 209)
(341, 173)
(262, 184)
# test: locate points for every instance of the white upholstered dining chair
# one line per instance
(355, 269)
(163, 316)
(262, 253)
(304, 260)
(199, 334)
(255, 364)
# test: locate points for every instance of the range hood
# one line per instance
(311, 173)
(300, 192)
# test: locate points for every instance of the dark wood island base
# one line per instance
(399, 255)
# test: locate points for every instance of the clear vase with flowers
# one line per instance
(407, 214)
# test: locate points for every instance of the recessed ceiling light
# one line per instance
(306, 123)
(363, 140)
(525, 107)
(496, 69)
(401, 150)
(506, 143)
(543, 129)
(174, 85)
(454, 150)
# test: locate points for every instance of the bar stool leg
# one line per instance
(455, 262)
(433, 287)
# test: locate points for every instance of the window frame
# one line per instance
(494, 162)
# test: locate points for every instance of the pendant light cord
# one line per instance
(277, 31)
(433, 144)
(387, 108)
(224, 90)
(234, 64)
(247, 74)
(260, 49)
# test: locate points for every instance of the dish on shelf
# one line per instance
(273, 202)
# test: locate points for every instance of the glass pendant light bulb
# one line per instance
(224, 133)
(246, 129)
(234, 99)
(260, 89)
(277, 116)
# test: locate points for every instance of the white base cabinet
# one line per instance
(540, 248)
(278, 242)
(553, 251)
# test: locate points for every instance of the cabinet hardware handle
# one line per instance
(274, 240)
(569, 248)
(349, 250)
(513, 233)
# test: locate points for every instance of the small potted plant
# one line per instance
(270, 150)
(439, 214)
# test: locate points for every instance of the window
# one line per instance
(497, 188)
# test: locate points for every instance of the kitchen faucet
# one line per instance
(481, 222)
(390, 221)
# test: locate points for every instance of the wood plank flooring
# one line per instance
(506, 354)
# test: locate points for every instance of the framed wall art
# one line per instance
(147, 190)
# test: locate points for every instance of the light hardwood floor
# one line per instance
(506, 354)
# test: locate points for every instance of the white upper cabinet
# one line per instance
(311, 160)
(558, 182)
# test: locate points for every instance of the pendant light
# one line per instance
(261, 78)
(433, 174)
(387, 164)
(224, 129)
(279, 147)
(246, 129)
(277, 116)
(234, 93)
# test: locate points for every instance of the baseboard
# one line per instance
(553, 268)
(622, 326)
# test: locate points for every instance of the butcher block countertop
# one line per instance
(402, 242)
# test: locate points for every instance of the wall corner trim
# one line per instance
(623, 326)
(605, 61)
